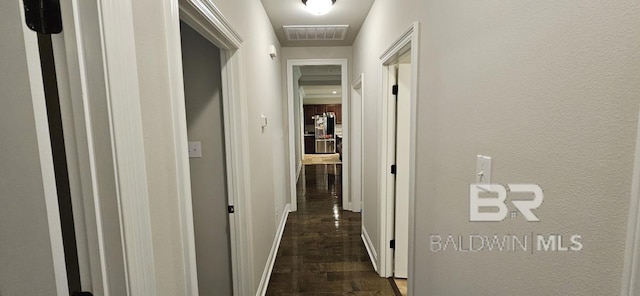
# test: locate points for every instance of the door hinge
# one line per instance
(393, 169)
(394, 90)
(231, 209)
(392, 244)
(43, 16)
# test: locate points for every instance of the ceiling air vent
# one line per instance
(306, 33)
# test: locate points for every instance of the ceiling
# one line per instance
(293, 12)
(320, 75)
(320, 84)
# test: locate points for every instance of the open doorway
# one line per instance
(397, 175)
(321, 129)
(207, 161)
(212, 26)
(319, 92)
(399, 127)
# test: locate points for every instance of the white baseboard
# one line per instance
(370, 248)
(271, 260)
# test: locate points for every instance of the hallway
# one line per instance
(321, 252)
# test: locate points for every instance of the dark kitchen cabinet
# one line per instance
(337, 110)
(309, 144)
(311, 110)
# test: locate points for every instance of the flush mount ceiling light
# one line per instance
(318, 7)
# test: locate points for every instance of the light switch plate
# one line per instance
(195, 149)
(483, 169)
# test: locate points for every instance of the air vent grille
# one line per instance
(306, 33)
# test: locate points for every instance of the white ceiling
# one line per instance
(320, 75)
(293, 12)
(318, 84)
(321, 94)
(322, 91)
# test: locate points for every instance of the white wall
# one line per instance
(263, 91)
(205, 124)
(550, 90)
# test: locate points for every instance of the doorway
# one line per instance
(318, 99)
(325, 134)
(207, 161)
(211, 24)
(399, 126)
(397, 174)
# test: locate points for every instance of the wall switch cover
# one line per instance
(483, 169)
(195, 149)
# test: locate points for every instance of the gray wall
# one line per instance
(203, 100)
(550, 90)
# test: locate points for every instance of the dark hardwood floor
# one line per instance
(321, 252)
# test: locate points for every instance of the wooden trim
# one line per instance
(368, 244)
(208, 20)
(271, 260)
(128, 147)
(183, 173)
(415, 75)
(74, 66)
(631, 272)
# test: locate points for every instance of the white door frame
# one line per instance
(204, 17)
(110, 35)
(357, 86)
(345, 126)
(409, 38)
(105, 29)
(631, 273)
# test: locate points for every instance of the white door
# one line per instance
(32, 260)
(403, 125)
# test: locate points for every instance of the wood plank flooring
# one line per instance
(321, 252)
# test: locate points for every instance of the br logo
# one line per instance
(495, 207)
